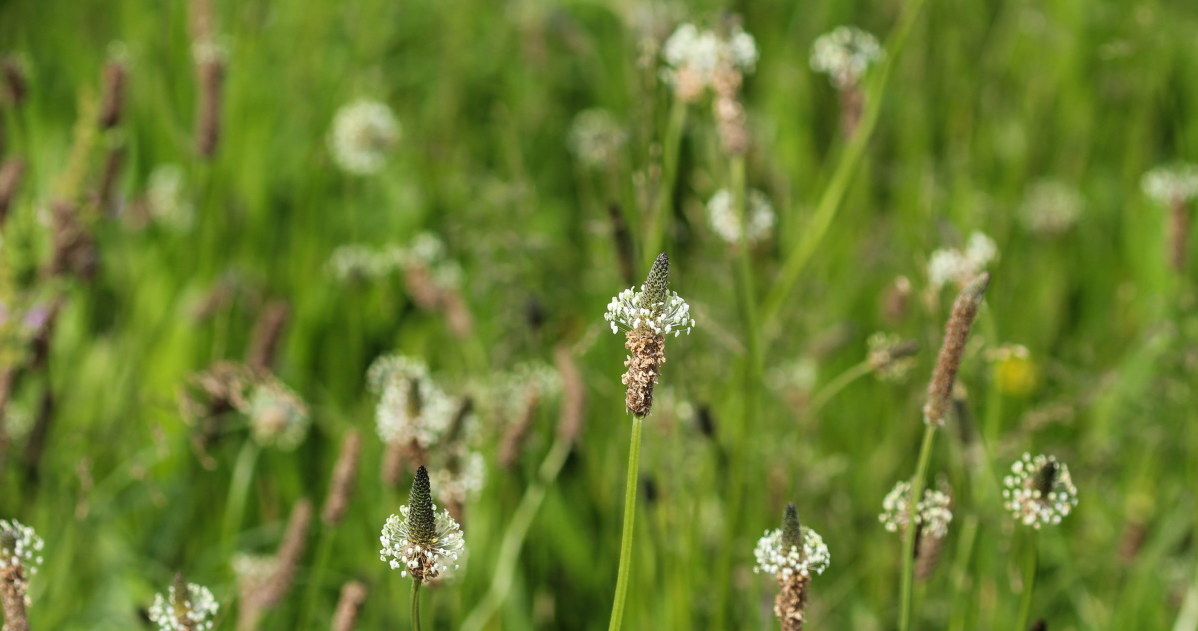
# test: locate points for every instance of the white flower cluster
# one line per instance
(890, 356)
(278, 416)
(20, 546)
(196, 613)
(596, 137)
(962, 266)
(458, 474)
(626, 310)
(426, 251)
(363, 133)
(698, 54)
(166, 196)
(253, 570)
(1171, 184)
(1051, 208)
(411, 407)
(845, 54)
(439, 556)
(772, 559)
(726, 221)
(933, 514)
(1039, 490)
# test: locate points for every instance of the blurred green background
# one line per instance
(984, 103)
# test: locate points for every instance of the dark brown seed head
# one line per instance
(420, 510)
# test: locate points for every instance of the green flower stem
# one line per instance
(630, 489)
(415, 604)
(513, 538)
(908, 578)
(834, 194)
(316, 578)
(239, 489)
(659, 217)
(1030, 562)
(841, 381)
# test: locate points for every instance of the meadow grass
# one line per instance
(975, 105)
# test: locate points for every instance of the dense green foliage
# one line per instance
(980, 104)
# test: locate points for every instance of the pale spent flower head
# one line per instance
(20, 547)
(278, 416)
(726, 222)
(411, 407)
(890, 356)
(1039, 490)
(932, 514)
(461, 482)
(363, 133)
(1051, 208)
(1171, 184)
(782, 561)
(166, 196)
(654, 308)
(959, 266)
(844, 54)
(419, 540)
(193, 610)
(357, 261)
(596, 137)
(695, 55)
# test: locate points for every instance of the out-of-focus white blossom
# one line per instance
(844, 54)
(1171, 184)
(1051, 208)
(693, 56)
(363, 133)
(961, 266)
(726, 222)
(278, 416)
(596, 138)
(166, 196)
(176, 612)
(411, 407)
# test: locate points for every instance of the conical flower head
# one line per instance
(418, 539)
(422, 514)
(657, 286)
(792, 533)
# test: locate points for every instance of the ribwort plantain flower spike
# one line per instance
(419, 540)
(791, 554)
(185, 607)
(948, 362)
(649, 315)
(1039, 491)
(20, 557)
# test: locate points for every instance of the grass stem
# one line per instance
(917, 482)
(630, 491)
(1031, 560)
(415, 604)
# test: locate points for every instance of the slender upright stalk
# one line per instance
(917, 481)
(415, 604)
(841, 381)
(630, 488)
(659, 216)
(1030, 561)
(513, 538)
(239, 489)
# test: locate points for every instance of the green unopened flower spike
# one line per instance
(419, 540)
(791, 554)
(648, 316)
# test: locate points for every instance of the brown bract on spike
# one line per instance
(113, 105)
(264, 342)
(573, 411)
(647, 354)
(16, 86)
(353, 594)
(12, 598)
(11, 173)
(948, 362)
(1179, 234)
(342, 484)
(211, 73)
(790, 605)
(852, 103)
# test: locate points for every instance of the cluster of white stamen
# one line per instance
(278, 416)
(726, 221)
(596, 137)
(363, 133)
(962, 266)
(1029, 504)
(402, 551)
(426, 252)
(626, 311)
(411, 407)
(20, 547)
(1171, 184)
(690, 50)
(773, 559)
(461, 482)
(933, 514)
(1051, 208)
(195, 614)
(845, 54)
(166, 196)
